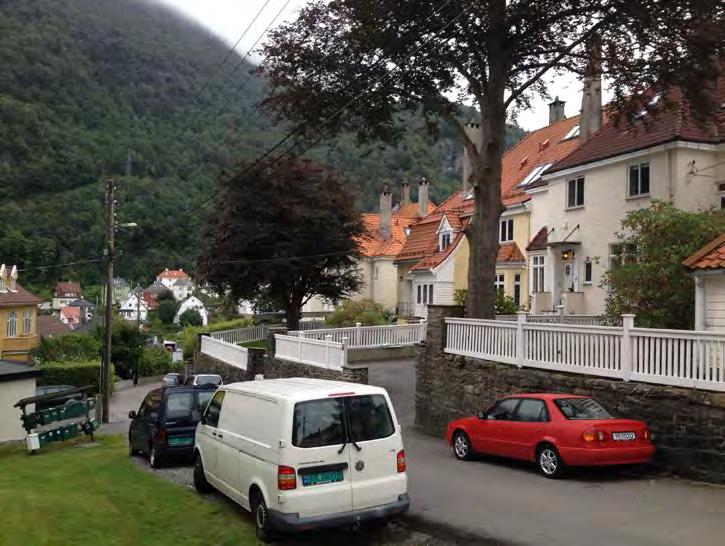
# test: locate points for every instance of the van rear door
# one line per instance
(375, 447)
(321, 457)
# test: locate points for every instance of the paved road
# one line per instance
(508, 502)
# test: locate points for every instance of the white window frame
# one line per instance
(579, 192)
(588, 268)
(721, 195)
(620, 254)
(444, 240)
(538, 274)
(499, 283)
(506, 230)
(12, 327)
(639, 167)
(27, 322)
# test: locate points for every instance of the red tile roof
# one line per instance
(18, 297)
(62, 288)
(374, 244)
(51, 326)
(540, 240)
(663, 125)
(173, 274)
(711, 256)
(509, 252)
(71, 313)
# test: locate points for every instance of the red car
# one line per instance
(553, 430)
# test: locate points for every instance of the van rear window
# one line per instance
(320, 423)
(179, 405)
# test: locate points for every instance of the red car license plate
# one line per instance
(623, 436)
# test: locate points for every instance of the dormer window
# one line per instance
(535, 174)
(444, 241)
(573, 133)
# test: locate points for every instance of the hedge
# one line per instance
(188, 337)
(155, 361)
(79, 373)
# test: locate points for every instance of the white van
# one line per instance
(303, 453)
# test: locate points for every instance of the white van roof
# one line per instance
(301, 388)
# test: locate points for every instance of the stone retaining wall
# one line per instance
(688, 424)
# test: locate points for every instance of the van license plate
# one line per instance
(181, 440)
(623, 436)
(319, 478)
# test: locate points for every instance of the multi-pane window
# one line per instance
(638, 180)
(517, 288)
(498, 283)
(575, 192)
(621, 254)
(430, 293)
(445, 240)
(420, 298)
(27, 322)
(587, 271)
(506, 230)
(12, 324)
(537, 273)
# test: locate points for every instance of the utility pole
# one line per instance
(138, 327)
(110, 252)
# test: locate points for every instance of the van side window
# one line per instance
(153, 404)
(369, 418)
(318, 423)
(211, 416)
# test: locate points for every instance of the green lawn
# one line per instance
(261, 344)
(83, 494)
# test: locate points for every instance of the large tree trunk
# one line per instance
(482, 233)
(293, 313)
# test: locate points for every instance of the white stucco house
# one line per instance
(178, 281)
(134, 308)
(707, 266)
(192, 303)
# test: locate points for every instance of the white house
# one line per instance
(192, 303)
(707, 266)
(578, 205)
(178, 282)
(133, 307)
(64, 293)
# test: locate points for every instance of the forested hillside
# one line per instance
(91, 89)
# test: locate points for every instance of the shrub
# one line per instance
(154, 361)
(68, 347)
(167, 311)
(349, 312)
(191, 317)
(165, 295)
(188, 337)
(504, 305)
(79, 373)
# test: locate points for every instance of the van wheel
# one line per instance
(200, 483)
(154, 458)
(549, 461)
(131, 450)
(462, 448)
(261, 519)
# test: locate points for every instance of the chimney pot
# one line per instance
(591, 114)
(423, 197)
(556, 110)
(405, 193)
(386, 211)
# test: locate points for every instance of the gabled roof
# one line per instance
(711, 256)
(509, 253)
(48, 325)
(173, 274)
(19, 296)
(71, 312)
(540, 240)
(374, 244)
(67, 287)
(82, 303)
(662, 125)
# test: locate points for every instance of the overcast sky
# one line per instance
(229, 18)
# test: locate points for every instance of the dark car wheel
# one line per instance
(265, 533)
(462, 448)
(131, 450)
(549, 461)
(154, 457)
(200, 483)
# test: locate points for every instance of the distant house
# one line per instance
(707, 266)
(192, 303)
(119, 291)
(18, 316)
(88, 308)
(177, 281)
(134, 307)
(49, 326)
(151, 294)
(64, 293)
(70, 316)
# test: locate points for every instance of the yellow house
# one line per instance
(18, 317)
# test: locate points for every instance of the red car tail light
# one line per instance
(594, 435)
(400, 459)
(160, 435)
(286, 478)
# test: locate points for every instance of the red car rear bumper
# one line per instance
(602, 456)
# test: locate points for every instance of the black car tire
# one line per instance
(154, 457)
(549, 462)
(462, 448)
(200, 483)
(131, 450)
(261, 519)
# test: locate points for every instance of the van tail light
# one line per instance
(594, 435)
(160, 435)
(400, 459)
(286, 478)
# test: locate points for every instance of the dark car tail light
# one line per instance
(286, 478)
(160, 435)
(400, 459)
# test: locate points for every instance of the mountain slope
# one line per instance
(92, 89)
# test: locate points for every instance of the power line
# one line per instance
(341, 109)
(92, 260)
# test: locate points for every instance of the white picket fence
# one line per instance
(670, 357)
(370, 337)
(242, 335)
(557, 318)
(232, 354)
(325, 353)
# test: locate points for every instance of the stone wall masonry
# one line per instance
(688, 424)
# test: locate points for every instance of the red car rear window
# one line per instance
(582, 409)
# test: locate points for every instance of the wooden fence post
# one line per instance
(627, 323)
(358, 333)
(560, 311)
(520, 339)
(344, 352)
(328, 340)
(299, 349)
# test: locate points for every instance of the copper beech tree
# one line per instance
(354, 65)
(284, 234)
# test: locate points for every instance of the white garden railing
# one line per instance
(557, 318)
(370, 337)
(242, 335)
(232, 354)
(325, 353)
(669, 357)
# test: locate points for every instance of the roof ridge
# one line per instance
(691, 260)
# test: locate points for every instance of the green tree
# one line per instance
(166, 311)
(349, 313)
(127, 345)
(165, 295)
(648, 279)
(355, 65)
(287, 234)
(190, 317)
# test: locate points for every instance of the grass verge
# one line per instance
(81, 493)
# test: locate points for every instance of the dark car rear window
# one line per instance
(582, 409)
(180, 406)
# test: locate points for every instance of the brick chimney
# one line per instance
(591, 114)
(423, 197)
(405, 193)
(473, 130)
(386, 211)
(556, 111)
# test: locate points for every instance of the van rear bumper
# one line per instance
(292, 522)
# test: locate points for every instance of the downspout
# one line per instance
(670, 177)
